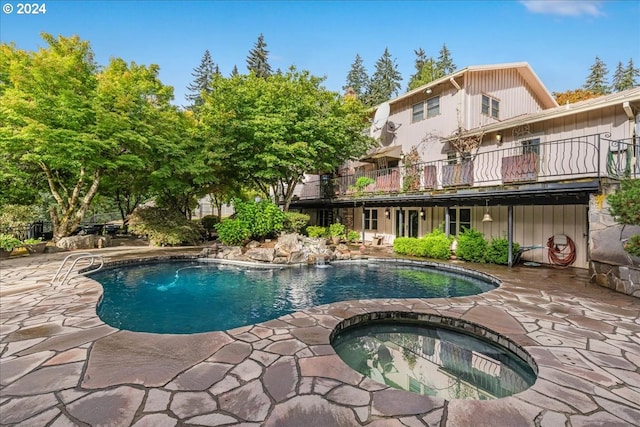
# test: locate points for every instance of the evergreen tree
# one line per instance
(258, 59)
(203, 75)
(357, 78)
(625, 78)
(426, 70)
(597, 80)
(385, 81)
(445, 64)
(234, 72)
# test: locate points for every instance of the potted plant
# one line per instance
(35, 246)
(7, 243)
(336, 231)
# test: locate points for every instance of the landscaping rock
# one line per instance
(261, 254)
(77, 242)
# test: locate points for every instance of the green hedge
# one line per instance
(472, 246)
(433, 245)
(165, 227)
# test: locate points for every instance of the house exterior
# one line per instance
(486, 140)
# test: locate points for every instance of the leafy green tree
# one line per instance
(202, 79)
(597, 79)
(130, 105)
(48, 123)
(444, 63)
(270, 132)
(357, 78)
(258, 59)
(385, 82)
(625, 78)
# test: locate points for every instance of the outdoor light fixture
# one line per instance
(487, 215)
(386, 212)
(422, 213)
(428, 91)
(499, 137)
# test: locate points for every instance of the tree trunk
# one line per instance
(69, 212)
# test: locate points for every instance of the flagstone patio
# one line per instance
(60, 365)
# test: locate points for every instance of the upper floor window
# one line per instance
(417, 113)
(531, 146)
(433, 106)
(490, 106)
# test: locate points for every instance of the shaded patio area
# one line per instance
(60, 365)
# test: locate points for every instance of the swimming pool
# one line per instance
(184, 297)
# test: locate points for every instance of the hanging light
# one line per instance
(487, 215)
(386, 212)
(422, 213)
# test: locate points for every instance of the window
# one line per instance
(417, 112)
(452, 158)
(490, 106)
(433, 106)
(324, 217)
(370, 219)
(531, 146)
(459, 219)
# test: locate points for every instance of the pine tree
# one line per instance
(203, 75)
(618, 84)
(630, 75)
(426, 70)
(357, 78)
(445, 64)
(385, 81)
(258, 59)
(234, 72)
(597, 80)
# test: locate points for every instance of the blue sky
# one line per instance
(559, 39)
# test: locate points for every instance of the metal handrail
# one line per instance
(80, 256)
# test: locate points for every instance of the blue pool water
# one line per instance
(187, 297)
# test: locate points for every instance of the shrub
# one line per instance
(353, 236)
(8, 242)
(408, 246)
(498, 251)
(437, 244)
(632, 246)
(233, 232)
(32, 241)
(295, 221)
(316, 231)
(337, 230)
(472, 246)
(164, 226)
(209, 222)
(263, 218)
(17, 215)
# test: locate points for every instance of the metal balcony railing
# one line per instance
(591, 156)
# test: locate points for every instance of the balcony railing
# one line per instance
(592, 156)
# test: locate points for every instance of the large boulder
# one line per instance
(77, 242)
(261, 254)
(288, 244)
(607, 245)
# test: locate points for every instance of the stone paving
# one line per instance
(60, 365)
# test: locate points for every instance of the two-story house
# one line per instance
(486, 147)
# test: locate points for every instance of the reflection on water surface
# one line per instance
(433, 361)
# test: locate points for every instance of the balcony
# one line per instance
(567, 160)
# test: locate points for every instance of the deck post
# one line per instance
(510, 234)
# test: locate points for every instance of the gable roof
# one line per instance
(527, 73)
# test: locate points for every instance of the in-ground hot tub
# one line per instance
(433, 358)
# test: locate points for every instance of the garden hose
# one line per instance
(561, 255)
